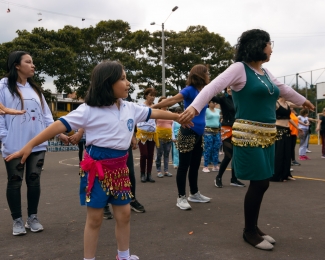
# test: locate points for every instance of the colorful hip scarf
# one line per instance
(211, 130)
(226, 132)
(164, 134)
(143, 136)
(254, 134)
(113, 174)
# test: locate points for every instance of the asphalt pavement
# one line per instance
(292, 212)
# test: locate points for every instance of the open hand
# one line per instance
(4, 110)
(23, 154)
(307, 104)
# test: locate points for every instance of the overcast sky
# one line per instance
(296, 26)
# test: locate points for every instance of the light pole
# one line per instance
(163, 81)
(306, 84)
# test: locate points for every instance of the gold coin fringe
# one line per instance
(164, 134)
(185, 143)
(280, 132)
(254, 134)
(144, 136)
(116, 183)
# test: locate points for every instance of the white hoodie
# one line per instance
(17, 130)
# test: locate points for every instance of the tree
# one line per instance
(183, 50)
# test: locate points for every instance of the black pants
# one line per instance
(81, 146)
(293, 147)
(282, 159)
(130, 165)
(189, 161)
(15, 174)
(228, 150)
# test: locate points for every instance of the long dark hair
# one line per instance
(13, 60)
(103, 77)
(198, 76)
(250, 46)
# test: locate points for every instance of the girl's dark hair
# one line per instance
(103, 77)
(304, 111)
(148, 91)
(13, 60)
(198, 76)
(250, 46)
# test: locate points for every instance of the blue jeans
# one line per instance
(175, 153)
(212, 143)
(303, 142)
(163, 150)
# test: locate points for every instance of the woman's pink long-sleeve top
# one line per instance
(235, 76)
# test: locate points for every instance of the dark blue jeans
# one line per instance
(163, 150)
(15, 174)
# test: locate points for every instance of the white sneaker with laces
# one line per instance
(182, 203)
(198, 197)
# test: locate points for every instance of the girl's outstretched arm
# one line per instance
(161, 114)
(52, 130)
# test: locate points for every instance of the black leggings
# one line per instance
(227, 149)
(81, 146)
(15, 175)
(252, 204)
(130, 165)
(189, 161)
(293, 147)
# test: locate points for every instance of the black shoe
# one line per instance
(143, 177)
(295, 163)
(137, 207)
(237, 183)
(107, 213)
(218, 182)
(149, 178)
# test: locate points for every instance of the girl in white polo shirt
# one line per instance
(109, 123)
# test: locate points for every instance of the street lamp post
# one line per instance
(163, 81)
(306, 84)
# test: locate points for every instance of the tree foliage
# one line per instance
(69, 54)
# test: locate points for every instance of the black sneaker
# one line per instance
(218, 183)
(107, 213)
(237, 183)
(295, 163)
(137, 207)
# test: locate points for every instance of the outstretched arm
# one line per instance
(168, 102)
(4, 110)
(52, 130)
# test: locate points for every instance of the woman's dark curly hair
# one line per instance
(250, 46)
(198, 77)
(103, 77)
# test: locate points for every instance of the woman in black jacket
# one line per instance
(228, 115)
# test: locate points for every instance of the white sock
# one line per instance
(123, 254)
(89, 258)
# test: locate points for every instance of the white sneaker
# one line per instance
(308, 151)
(291, 169)
(215, 168)
(198, 197)
(205, 169)
(182, 203)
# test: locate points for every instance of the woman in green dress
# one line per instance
(255, 92)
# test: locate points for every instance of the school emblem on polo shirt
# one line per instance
(130, 124)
